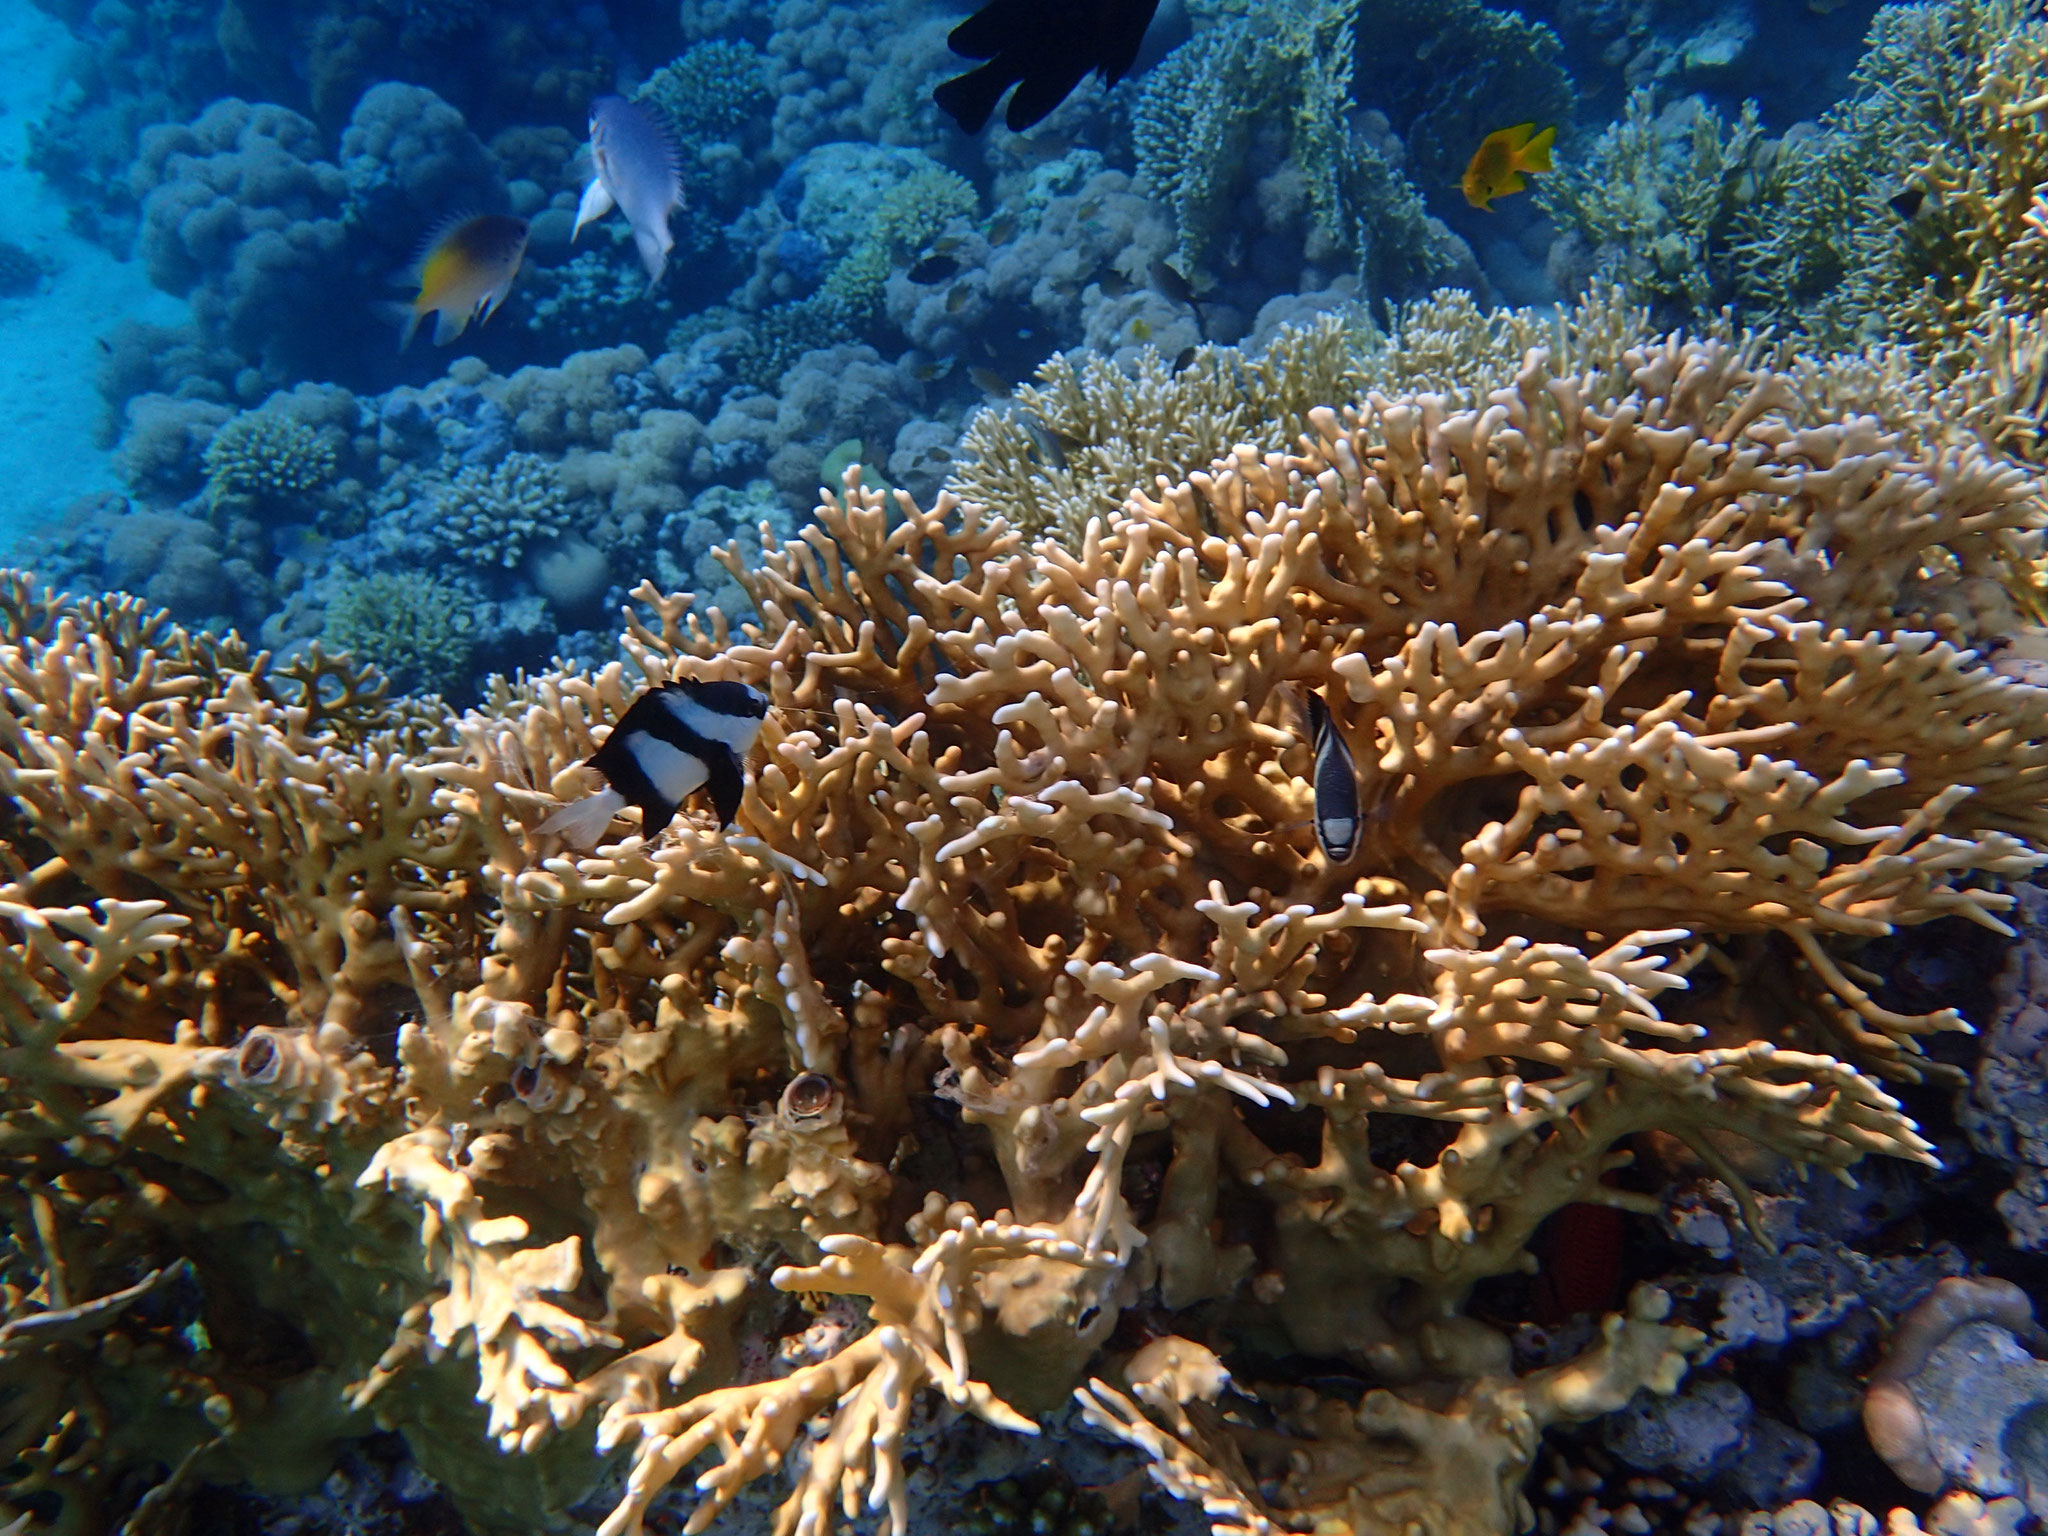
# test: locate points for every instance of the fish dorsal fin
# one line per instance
(437, 232)
(663, 131)
(672, 145)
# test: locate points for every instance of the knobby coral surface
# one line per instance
(1021, 1014)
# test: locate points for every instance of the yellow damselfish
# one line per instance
(1501, 159)
(464, 273)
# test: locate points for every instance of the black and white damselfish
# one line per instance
(673, 740)
(1044, 48)
(1335, 784)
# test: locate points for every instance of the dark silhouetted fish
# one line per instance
(672, 741)
(1050, 453)
(1172, 283)
(934, 269)
(1907, 203)
(1044, 48)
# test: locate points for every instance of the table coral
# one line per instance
(1022, 1014)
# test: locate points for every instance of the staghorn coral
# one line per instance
(1656, 197)
(1294, 63)
(1022, 998)
(1949, 104)
(1480, 67)
(1072, 446)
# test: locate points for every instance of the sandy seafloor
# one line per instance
(50, 413)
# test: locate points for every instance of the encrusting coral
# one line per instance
(1022, 1012)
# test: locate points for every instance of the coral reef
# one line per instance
(414, 625)
(1021, 1042)
(241, 214)
(1958, 1399)
(490, 516)
(1655, 200)
(267, 456)
(2006, 1111)
(1947, 111)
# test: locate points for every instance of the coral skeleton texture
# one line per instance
(1022, 1010)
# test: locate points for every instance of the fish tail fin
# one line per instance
(654, 251)
(597, 202)
(582, 822)
(970, 99)
(402, 315)
(1535, 155)
(449, 324)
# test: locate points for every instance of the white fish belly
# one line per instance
(673, 772)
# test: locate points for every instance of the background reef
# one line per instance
(1018, 1122)
(855, 280)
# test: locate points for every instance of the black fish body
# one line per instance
(1336, 786)
(1044, 48)
(672, 741)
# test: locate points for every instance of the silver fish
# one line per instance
(1336, 786)
(638, 170)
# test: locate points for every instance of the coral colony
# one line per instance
(1366, 870)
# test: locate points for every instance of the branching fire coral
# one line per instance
(1023, 1012)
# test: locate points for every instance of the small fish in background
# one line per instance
(1335, 785)
(638, 169)
(1907, 204)
(1172, 283)
(672, 741)
(1502, 159)
(1044, 48)
(1187, 356)
(1051, 453)
(1002, 229)
(464, 274)
(935, 268)
(989, 382)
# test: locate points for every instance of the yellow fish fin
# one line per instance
(1535, 154)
